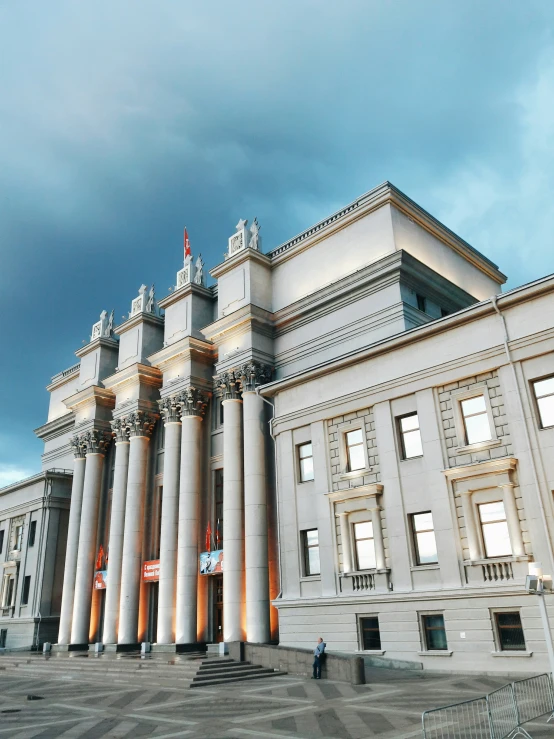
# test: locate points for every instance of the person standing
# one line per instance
(318, 658)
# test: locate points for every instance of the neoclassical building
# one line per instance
(350, 436)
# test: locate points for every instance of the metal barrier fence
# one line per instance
(498, 715)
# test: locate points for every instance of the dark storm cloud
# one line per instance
(123, 121)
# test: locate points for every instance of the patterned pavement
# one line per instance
(99, 705)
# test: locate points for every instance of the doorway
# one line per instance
(217, 591)
(153, 614)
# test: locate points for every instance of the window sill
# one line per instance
(355, 473)
(437, 653)
(430, 566)
(365, 572)
(513, 653)
(310, 578)
(410, 459)
(497, 560)
(478, 447)
(371, 652)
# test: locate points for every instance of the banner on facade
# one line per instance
(100, 577)
(211, 562)
(151, 570)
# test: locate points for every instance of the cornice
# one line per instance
(191, 288)
(245, 255)
(479, 469)
(137, 373)
(362, 491)
(64, 376)
(384, 194)
(28, 481)
(91, 395)
(246, 318)
(142, 317)
(414, 335)
(56, 427)
(104, 341)
(185, 348)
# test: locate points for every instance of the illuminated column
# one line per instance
(233, 508)
(95, 443)
(473, 543)
(256, 555)
(140, 429)
(512, 519)
(72, 548)
(193, 404)
(169, 518)
(117, 522)
(346, 542)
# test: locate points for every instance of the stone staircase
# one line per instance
(185, 671)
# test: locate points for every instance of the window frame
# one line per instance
(536, 400)
(306, 573)
(354, 541)
(457, 396)
(362, 647)
(2, 536)
(482, 525)
(25, 590)
(424, 631)
(18, 538)
(299, 459)
(348, 447)
(497, 629)
(342, 430)
(401, 433)
(32, 533)
(417, 562)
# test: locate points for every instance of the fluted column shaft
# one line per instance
(131, 565)
(87, 545)
(115, 546)
(255, 520)
(72, 549)
(187, 555)
(233, 512)
(168, 531)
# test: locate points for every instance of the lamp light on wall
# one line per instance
(539, 584)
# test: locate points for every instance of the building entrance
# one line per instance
(153, 615)
(217, 592)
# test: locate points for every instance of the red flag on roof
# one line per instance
(209, 538)
(188, 252)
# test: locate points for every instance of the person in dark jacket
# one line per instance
(318, 658)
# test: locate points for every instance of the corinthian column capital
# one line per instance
(77, 447)
(170, 409)
(96, 442)
(120, 429)
(253, 374)
(227, 385)
(140, 423)
(192, 402)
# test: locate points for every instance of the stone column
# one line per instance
(140, 430)
(473, 542)
(378, 542)
(95, 444)
(72, 548)
(256, 554)
(193, 404)
(346, 542)
(512, 519)
(233, 508)
(117, 522)
(169, 517)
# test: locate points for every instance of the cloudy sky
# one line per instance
(122, 121)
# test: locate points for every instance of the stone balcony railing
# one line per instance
(364, 582)
(498, 571)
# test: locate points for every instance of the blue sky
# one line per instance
(122, 121)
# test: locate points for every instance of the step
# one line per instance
(223, 666)
(198, 678)
(221, 681)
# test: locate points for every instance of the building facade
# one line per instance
(348, 436)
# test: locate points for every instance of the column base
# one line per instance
(121, 647)
(178, 648)
(70, 647)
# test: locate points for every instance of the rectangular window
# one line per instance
(355, 450)
(421, 303)
(1, 540)
(410, 436)
(509, 631)
(424, 538)
(26, 589)
(365, 546)
(370, 634)
(217, 413)
(3, 638)
(218, 507)
(18, 537)
(476, 420)
(310, 540)
(32, 533)
(160, 449)
(434, 632)
(305, 462)
(494, 526)
(544, 394)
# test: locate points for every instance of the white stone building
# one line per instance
(358, 419)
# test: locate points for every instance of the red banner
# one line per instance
(151, 570)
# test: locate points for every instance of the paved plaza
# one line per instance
(157, 702)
